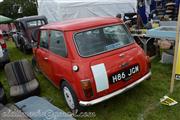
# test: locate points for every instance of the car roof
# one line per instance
(29, 18)
(82, 23)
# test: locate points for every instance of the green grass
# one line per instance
(139, 103)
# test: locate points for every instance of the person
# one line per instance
(141, 10)
(119, 16)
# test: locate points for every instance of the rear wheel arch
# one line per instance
(65, 80)
(73, 88)
(61, 81)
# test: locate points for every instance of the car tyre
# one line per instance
(24, 49)
(16, 44)
(21, 44)
(70, 98)
(34, 65)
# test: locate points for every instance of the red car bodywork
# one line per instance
(58, 69)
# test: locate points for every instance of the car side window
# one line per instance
(44, 39)
(57, 43)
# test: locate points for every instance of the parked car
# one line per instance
(90, 59)
(4, 56)
(25, 26)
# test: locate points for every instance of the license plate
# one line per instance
(124, 74)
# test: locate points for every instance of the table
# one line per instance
(147, 43)
(163, 32)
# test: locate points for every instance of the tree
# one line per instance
(18, 8)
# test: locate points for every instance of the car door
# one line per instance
(42, 54)
(60, 63)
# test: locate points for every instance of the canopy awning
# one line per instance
(62, 10)
(5, 20)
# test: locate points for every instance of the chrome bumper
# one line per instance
(103, 98)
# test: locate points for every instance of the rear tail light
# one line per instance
(87, 88)
(3, 44)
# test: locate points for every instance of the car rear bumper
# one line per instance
(103, 98)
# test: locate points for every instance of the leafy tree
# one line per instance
(18, 8)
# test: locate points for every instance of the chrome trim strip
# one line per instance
(103, 98)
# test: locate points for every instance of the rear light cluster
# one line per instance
(3, 44)
(87, 88)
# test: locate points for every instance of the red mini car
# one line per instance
(90, 59)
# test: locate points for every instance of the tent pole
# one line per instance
(175, 53)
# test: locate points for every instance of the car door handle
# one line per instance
(122, 55)
(45, 58)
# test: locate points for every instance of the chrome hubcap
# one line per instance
(68, 97)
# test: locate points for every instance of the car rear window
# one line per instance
(35, 23)
(102, 39)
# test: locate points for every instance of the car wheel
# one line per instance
(70, 98)
(21, 47)
(24, 49)
(16, 44)
(34, 65)
(21, 44)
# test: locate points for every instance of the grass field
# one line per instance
(139, 103)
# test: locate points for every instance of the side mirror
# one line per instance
(34, 35)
